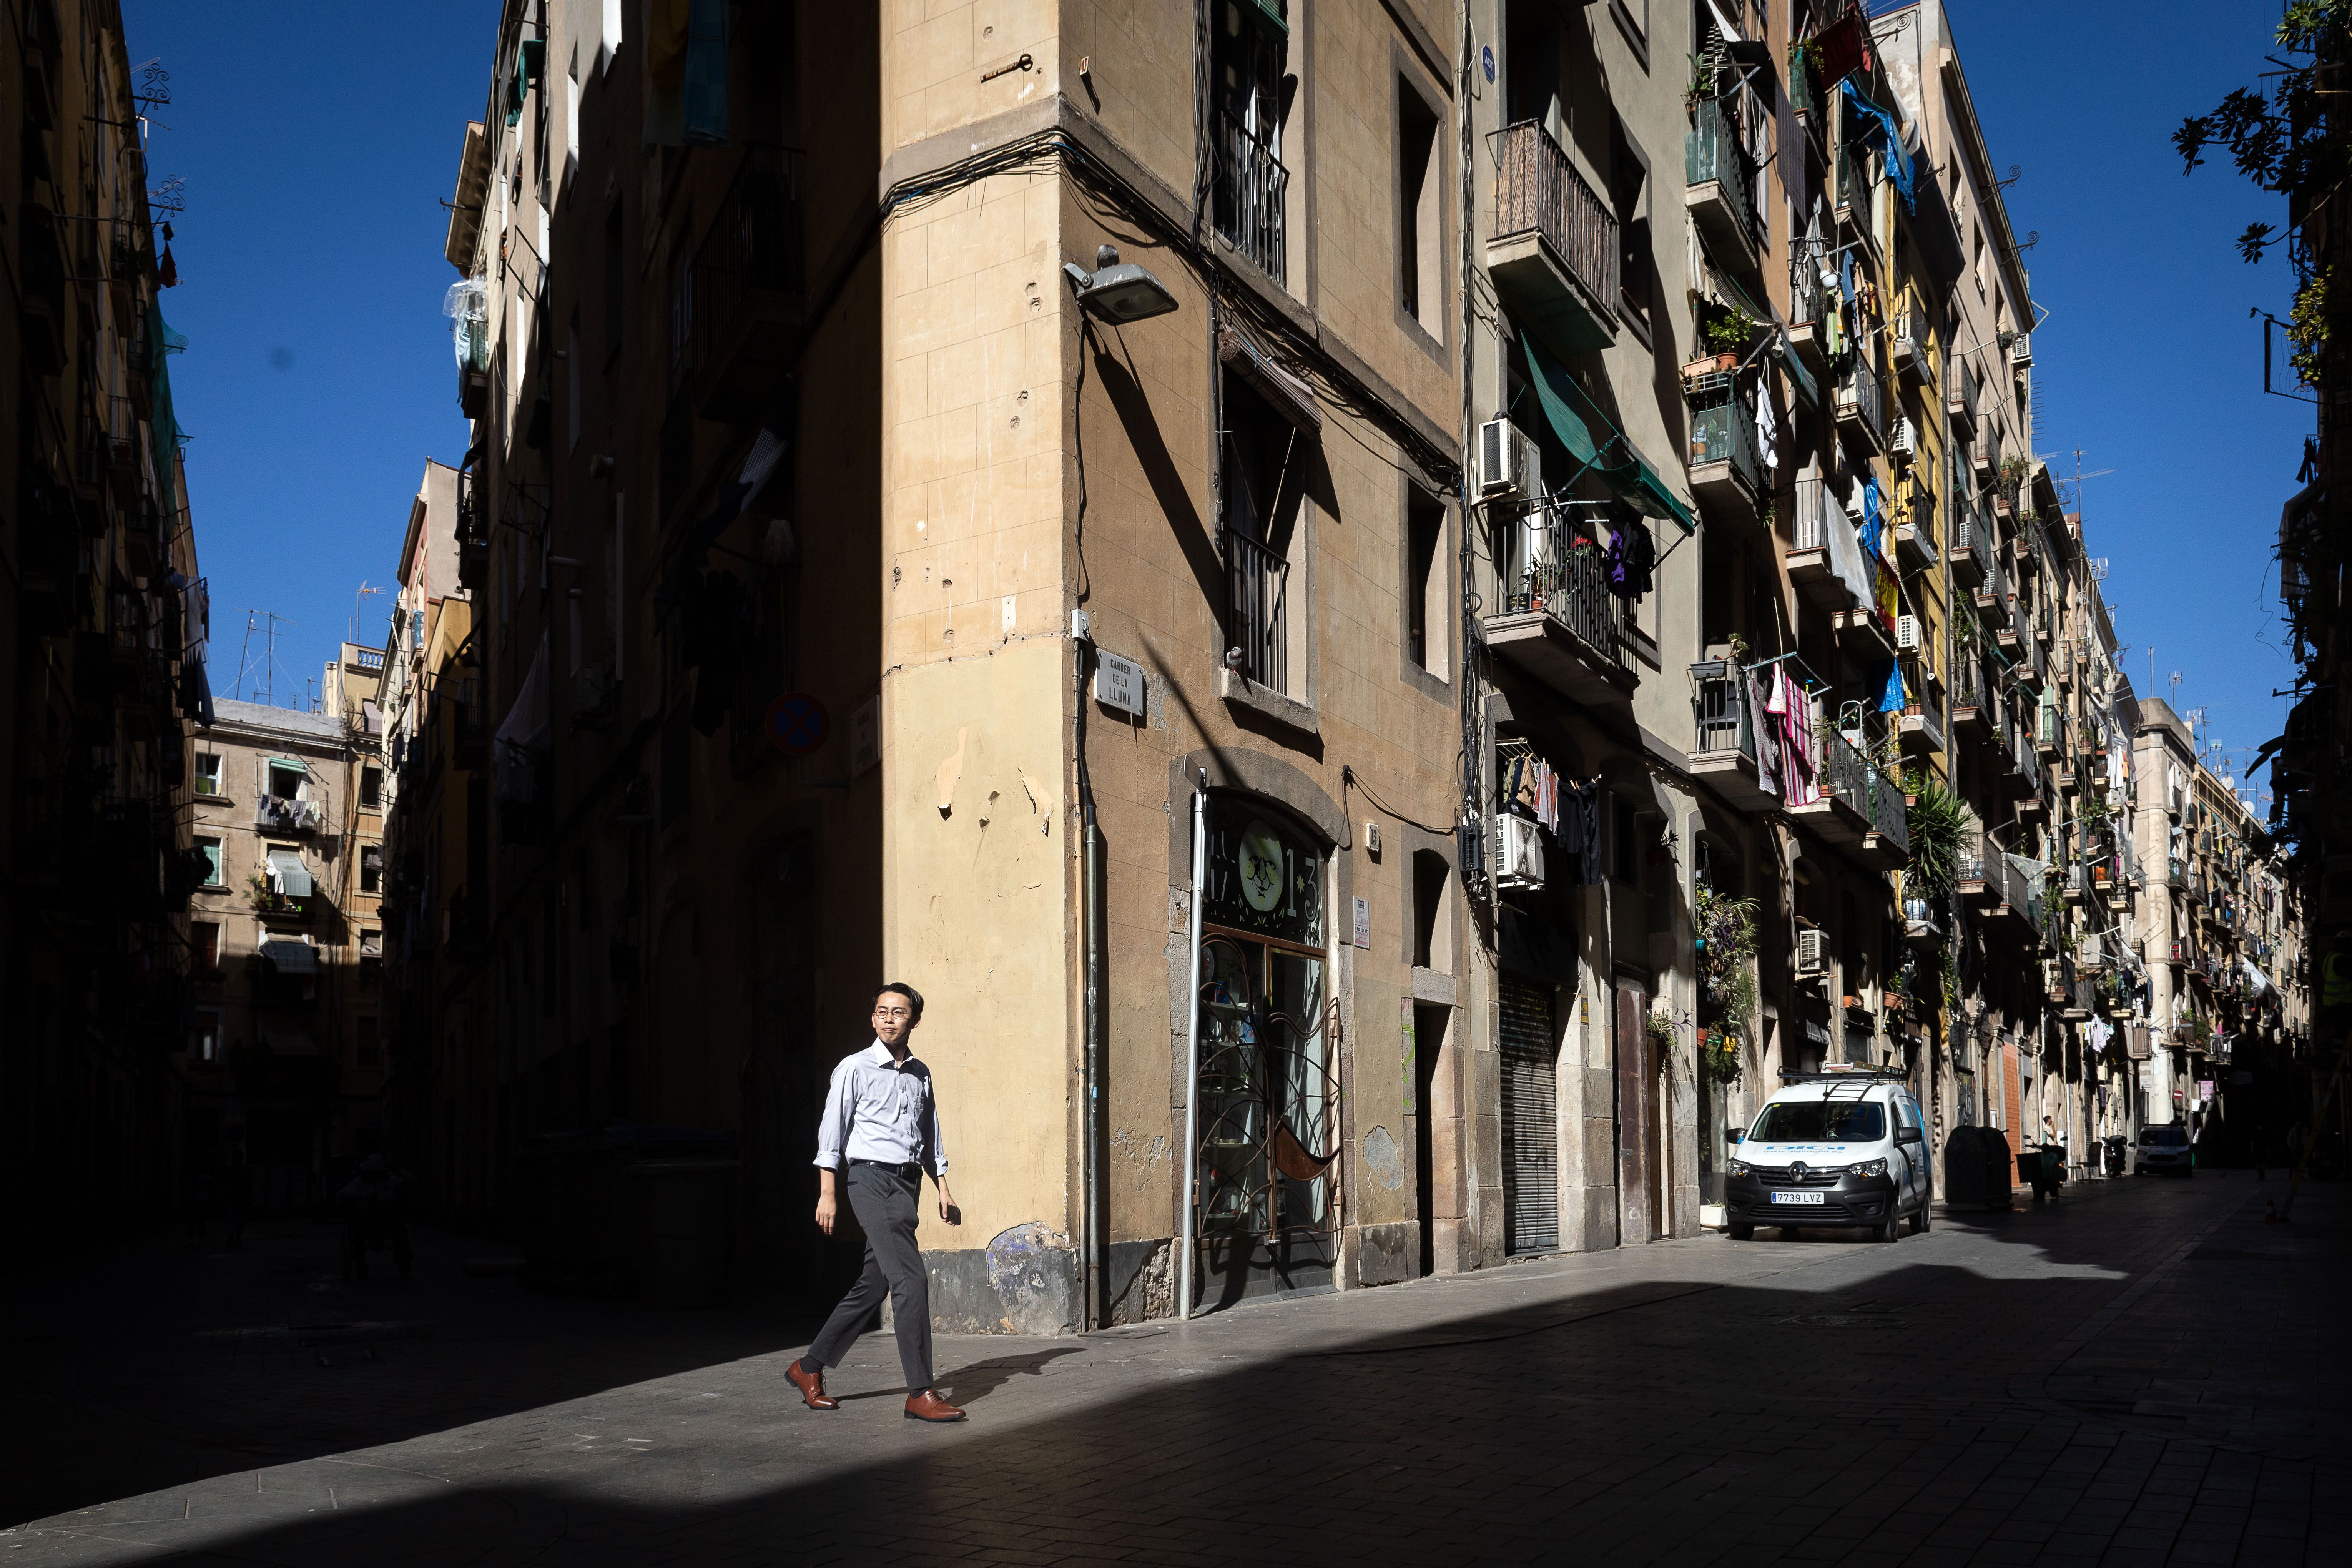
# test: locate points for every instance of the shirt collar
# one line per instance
(879, 1055)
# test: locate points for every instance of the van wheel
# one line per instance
(1923, 1219)
(1890, 1231)
(1743, 1233)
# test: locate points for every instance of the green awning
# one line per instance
(1798, 376)
(1631, 475)
(1270, 12)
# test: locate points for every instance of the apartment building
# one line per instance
(1289, 593)
(286, 1061)
(102, 665)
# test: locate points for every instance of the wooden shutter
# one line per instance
(1530, 1120)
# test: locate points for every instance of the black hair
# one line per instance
(914, 998)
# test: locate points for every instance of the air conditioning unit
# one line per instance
(1902, 440)
(1813, 955)
(1519, 853)
(1907, 636)
(1509, 464)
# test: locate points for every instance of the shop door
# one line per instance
(1530, 1120)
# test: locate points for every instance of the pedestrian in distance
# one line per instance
(879, 1133)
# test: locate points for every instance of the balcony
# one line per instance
(1726, 474)
(1961, 401)
(1252, 187)
(1969, 550)
(1719, 184)
(1258, 584)
(1723, 737)
(743, 311)
(1554, 253)
(1861, 810)
(1862, 407)
(2022, 776)
(285, 909)
(1809, 303)
(1990, 881)
(1914, 528)
(274, 813)
(1922, 730)
(1812, 565)
(1976, 705)
(1908, 341)
(1993, 597)
(2049, 732)
(1559, 622)
(1853, 188)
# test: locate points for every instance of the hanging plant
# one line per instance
(1720, 1057)
(1659, 1025)
(1727, 948)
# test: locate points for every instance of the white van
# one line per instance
(1831, 1149)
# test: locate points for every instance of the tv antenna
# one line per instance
(360, 608)
(267, 621)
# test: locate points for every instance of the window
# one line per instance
(211, 853)
(205, 1039)
(1247, 49)
(1260, 475)
(1425, 589)
(371, 867)
(609, 39)
(572, 117)
(208, 772)
(367, 1052)
(1421, 212)
(1624, 844)
(283, 781)
(1432, 933)
(1628, 195)
(204, 945)
(371, 787)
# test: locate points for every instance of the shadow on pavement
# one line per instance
(1828, 1412)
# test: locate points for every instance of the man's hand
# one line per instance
(947, 1210)
(825, 1202)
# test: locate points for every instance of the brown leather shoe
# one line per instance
(811, 1387)
(929, 1406)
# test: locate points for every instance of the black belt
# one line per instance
(912, 1172)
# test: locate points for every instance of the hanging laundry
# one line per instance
(1632, 560)
(1890, 700)
(1801, 763)
(1767, 739)
(1833, 335)
(1579, 831)
(1768, 434)
(167, 271)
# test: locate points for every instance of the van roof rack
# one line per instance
(1844, 1074)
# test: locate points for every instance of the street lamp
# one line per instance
(1118, 292)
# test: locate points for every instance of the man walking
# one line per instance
(883, 1119)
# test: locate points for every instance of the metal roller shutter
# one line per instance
(1530, 1120)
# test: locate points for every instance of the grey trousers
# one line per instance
(883, 1203)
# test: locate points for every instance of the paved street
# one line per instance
(2136, 1375)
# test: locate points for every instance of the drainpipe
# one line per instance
(1193, 1053)
(1090, 937)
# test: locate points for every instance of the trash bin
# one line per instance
(1997, 1179)
(1964, 1176)
(2029, 1168)
(627, 1209)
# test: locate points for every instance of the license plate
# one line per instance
(1797, 1197)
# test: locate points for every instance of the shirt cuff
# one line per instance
(828, 1162)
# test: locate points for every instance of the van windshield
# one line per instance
(2164, 1137)
(1820, 1122)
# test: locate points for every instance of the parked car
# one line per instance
(1831, 1149)
(2164, 1148)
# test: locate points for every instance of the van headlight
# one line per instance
(1741, 1168)
(1867, 1168)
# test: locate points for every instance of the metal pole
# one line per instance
(1193, 1053)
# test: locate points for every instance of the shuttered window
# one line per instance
(1530, 1120)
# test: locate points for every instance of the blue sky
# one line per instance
(317, 142)
(2149, 362)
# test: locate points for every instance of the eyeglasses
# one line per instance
(893, 1013)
